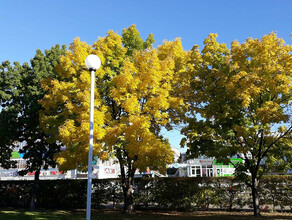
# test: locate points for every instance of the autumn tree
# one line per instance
(242, 96)
(20, 112)
(132, 103)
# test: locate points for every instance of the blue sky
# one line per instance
(30, 25)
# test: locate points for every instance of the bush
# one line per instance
(182, 194)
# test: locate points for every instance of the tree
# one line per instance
(23, 103)
(243, 96)
(9, 78)
(132, 102)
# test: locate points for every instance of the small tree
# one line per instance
(132, 101)
(243, 96)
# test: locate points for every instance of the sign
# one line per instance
(207, 162)
(228, 171)
(46, 173)
(5, 173)
(109, 170)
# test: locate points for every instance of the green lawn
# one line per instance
(21, 214)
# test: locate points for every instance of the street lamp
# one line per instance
(92, 63)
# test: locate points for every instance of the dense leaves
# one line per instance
(182, 194)
(9, 79)
(242, 96)
(234, 102)
(20, 92)
(133, 98)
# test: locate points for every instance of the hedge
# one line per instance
(182, 194)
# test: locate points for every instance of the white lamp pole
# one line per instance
(92, 63)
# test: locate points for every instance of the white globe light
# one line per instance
(92, 62)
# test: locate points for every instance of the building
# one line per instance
(199, 167)
(12, 174)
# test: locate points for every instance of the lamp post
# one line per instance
(92, 63)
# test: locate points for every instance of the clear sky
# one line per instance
(34, 24)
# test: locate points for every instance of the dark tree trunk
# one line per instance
(128, 190)
(35, 189)
(128, 198)
(255, 196)
(127, 174)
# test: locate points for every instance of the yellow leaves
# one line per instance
(139, 91)
(213, 51)
(126, 84)
(143, 86)
(111, 53)
(74, 58)
(271, 112)
(282, 129)
(155, 153)
(66, 131)
(240, 130)
(134, 91)
(240, 92)
(66, 115)
(131, 105)
(140, 141)
(61, 161)
(85, 79)
(172, 53)
(261, 67)
(148, 69)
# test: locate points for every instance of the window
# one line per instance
(198, 171)
(21, 164)
(193, 171)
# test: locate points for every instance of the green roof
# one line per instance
(15, 155)
(233, 160)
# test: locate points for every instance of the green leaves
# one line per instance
(20, 91)
(132, 40)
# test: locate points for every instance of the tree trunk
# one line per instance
(255, 196)
(127, 175)
(35, 189)
(128, 199)
(128, 189)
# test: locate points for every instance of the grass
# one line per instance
(22, 214)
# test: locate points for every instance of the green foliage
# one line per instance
(9, 81)
(38, 151)
(183, 194)
(132, 40)
(277, 191)
(20, 92)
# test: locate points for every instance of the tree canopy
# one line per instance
(243, 97)
(9, 79)
(20, 92)
(133, 98)
(233, 102)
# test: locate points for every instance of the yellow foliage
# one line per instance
(261, 66)
(243, 94)
(132, 94)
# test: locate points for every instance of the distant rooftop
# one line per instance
(16, 155)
